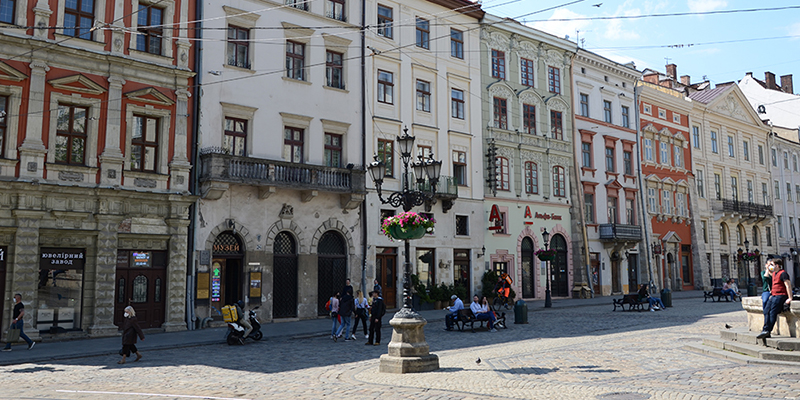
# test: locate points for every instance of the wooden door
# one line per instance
(633, 273)
(142, 286)
(386, 274)
(559, 272)
(616, 282)
(529, 269)
(462, 274)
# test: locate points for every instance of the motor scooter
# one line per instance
(236, 331)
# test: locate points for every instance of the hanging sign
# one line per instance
(216, 285)
(528, 215)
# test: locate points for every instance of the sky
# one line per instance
(696, 50)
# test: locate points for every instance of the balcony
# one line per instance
(446, 190)
(620, 233)
(746, 209)
(218, 171)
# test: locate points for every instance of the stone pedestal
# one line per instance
(788, 323)
(408, 350)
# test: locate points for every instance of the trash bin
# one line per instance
(751, 289)
(520, 312)
(666, 297)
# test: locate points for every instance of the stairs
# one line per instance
(741, 345)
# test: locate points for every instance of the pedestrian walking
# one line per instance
(377, 288)
(362, 313)
(348, 288)
(346, 306)
(130, 330)
(18, 323)
(334, 315)
(378, 311)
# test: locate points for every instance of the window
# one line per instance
(588, 201)
(788, 191)
(777, 190)
(584, 104)
(774, 158)
(701, 190)
(610, 159)
(71, 134)
(556, 124)
(385, 87)
(553, 80)
(651, 201)
(769, 235)
(677, 151)
(680, 204)
(335, 9)
(785, 160)
(333, 150)
(386, 155)
(79, 18)
(423, 96)
(714, 148)
(746, 151)
(424, 151)
(755, 236)
(704, 227)
(500, 115)
(529, 119)
(501, 167)
(531, 178)
(794, 162)
(586, 154)
(761, 154)
(626, 117)
(611, 203)
(717, 186)
(238, 47)
(730, 146)
(144, 143)
(498, 64)
(739, 235)
(627, 162)
(462, 225)
(385, 21)
(460, 167)
(423, 33)
(797, 192)
(150, 28)
(647, 109)
(696, 136)
(293, 145)
(526, 72)
(664, 153)
(607, 111)
(723, 234)
(764, 193)
(334, 70)
(779, 220)
(666, 202)
(750, 196)
(295, 60)
(791, 227)
(648, 149)
(301, 4)
(676, 118)
(7, 10)
(630, 212)
(457, 103)
(559, 182)
(3, 123)
(235, 141)
(456, 43)
(662, 113)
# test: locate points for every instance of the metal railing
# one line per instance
(620, 232)
(446, 187)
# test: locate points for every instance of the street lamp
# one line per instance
(751, 286)
(548, 301)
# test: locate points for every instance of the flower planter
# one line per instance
(547, 257)
(400, 233)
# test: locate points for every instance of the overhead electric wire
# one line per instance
(680, 14)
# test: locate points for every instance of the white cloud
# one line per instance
(562, 28)
(706, 5)
(794, 30)
(614, 28)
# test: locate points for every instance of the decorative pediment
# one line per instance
(671, 237)
(501, 89)
(558, 104)
(9, 73)
(496, 40)
(734, 104)
(614, 184)
(650, 128)
(556, 58)
(731, 107)
(682, 183)
(77, 83)
(526, 49)
(668, 181)
(652, 178)
(150, 95)
(529, 96)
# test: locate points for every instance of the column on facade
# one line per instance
(105, 276)
(32, 151)
(175, 312)
(25, 265)
(112, 159)
(42, 14)
(180, 166)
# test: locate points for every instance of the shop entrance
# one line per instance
(594, 262)
(386, 274)
(284, 277)
(687, 272)
(528, 282)
(331, 268)
(461, 271)
(633, 273)
(226, 270)
(616, 281)
(141, 283)
(558, 268)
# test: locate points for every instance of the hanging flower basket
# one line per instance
(748, 257)
(545, 255)
(407, 225)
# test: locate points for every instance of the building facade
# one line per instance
(95, 157)
(281, 165)
(424, 76)
(528, 138)
(606, 151)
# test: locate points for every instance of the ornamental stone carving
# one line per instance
(528, 96)
(496, 40)
(732, 108)
(527, 50)
(144, 182)
(558, 104)
(555, 58)
(70, 176)
(501, 90)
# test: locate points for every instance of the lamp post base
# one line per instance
(548, 301)
(408, 350)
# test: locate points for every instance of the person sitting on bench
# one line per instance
(655, 303)
(729, 288)
(482, 312)
(453, 312)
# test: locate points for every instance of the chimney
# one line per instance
(786, 84)
(769, 79)
(651, 78)
(672, 71)
(686, 80)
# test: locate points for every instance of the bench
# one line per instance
(632, 301)
(717, 293)
(465, 316)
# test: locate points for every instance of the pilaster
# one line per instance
(32, 150)
(41, 14)
(25, 265)
(180, 166)
(112, 159)
(105, 277)
(175, 312)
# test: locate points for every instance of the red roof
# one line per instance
(708, 95)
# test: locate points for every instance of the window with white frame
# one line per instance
(677, 151)
(714, 148)
(335, 9)
(764, 193)
(460, 168)
(559, 182)
(666, 201)
(531, 178)
(662, 113)
(696, 136)
(785, 160)
(774, 157)
(777, 190)
(664, 153)
(648, 149)
(647, 109)
(701, 190)
(626, 117)
(731, 152)
(718, 186)
(750, 194)
(746, 150)
(788, 191)
(652, 203)
(680, 204)
(584, 104)
(761, 154)
(502, 174)
(780, 225)
(607, 111)
(334, 70)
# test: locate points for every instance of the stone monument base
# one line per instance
(408, 350)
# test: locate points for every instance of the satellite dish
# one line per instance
(566, 37)
(761, 109)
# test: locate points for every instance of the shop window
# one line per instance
(60, 290)
(426, 266)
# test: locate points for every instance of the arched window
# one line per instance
(501, 169)
(559, 182)
(284, 276)
(531, 178)
(528, 269)
(740, 235)
(723, 234)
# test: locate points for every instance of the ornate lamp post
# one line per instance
(548, 301)
(751, 286)
(408, 350)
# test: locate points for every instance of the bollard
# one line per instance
(520, 312)
(666, 297)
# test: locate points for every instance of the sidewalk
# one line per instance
(50, 351)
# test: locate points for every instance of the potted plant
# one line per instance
(407, 225)
(545, 255)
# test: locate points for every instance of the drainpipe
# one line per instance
(193, 179)
(642, 202)
(364, 227)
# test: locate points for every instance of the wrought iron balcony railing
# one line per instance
(445, 188)
(731, 206)
(620, 232)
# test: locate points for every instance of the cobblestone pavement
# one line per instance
(586, 352)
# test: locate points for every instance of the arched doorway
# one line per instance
(284, 276)
(559, 267)
(226, 270)
(331, 268)
(528, 268)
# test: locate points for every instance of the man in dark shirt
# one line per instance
(378, 311)
(348, 288)
(781, 289)
(18, 323)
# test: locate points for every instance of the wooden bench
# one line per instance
(632, 301)
(717, 293)
(465, 316)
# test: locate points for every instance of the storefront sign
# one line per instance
(55, 258)
(216, 285)
(546, 216)
(141, 259)
(496, 219)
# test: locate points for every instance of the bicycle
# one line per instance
(501, 301)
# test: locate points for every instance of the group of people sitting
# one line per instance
(479, 307)
(655, 303)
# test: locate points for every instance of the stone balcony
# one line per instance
(218, 171)
(620, 233)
